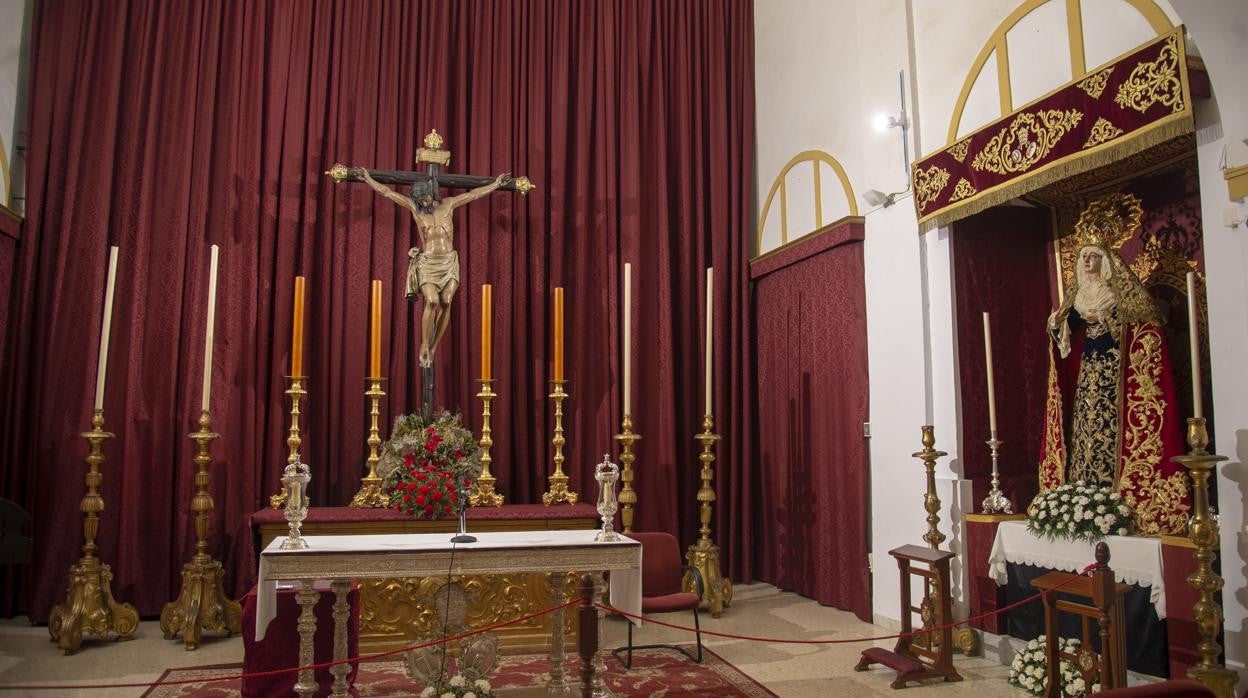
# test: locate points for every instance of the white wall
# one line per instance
(823, 68)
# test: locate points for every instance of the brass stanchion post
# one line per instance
(1204, 531)
(202, 604)
(558, 481)
(704, 554)
(370, 495)
(293, 441)
(483, 494)
(628, 496)
(89, 606)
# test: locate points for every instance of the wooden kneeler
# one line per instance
(910, 660)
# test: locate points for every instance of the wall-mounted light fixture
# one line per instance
(875, 197)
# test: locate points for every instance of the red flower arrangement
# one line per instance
(427, 469)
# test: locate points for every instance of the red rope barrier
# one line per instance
(536, 614)
(278, 672)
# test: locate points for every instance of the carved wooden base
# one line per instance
(90, 608)
(202, 605)
(370, 495)
(718, 591)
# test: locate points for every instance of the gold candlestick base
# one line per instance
(295, 439)
(558, 481)
(483, 494)
(1205, 533)
(370, 495)
(628, 496)
(202, 604)
(704, 555)
(89, 606)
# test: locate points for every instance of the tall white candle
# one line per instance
(628, 337)
(992, 393)
(101, 367)
(1194, 337)
(210, 333)
(710, 308)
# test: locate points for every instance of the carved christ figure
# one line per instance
(433, 266)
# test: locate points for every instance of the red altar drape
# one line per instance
(811, 317)
(165, 127)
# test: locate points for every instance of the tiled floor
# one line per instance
(28, 656)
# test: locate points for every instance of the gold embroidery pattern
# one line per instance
(958, 150)
(1154, 81)
(1160, 503)
(928, 184)
(961, 190)
(1102, 131)
(1026, 141)
(1094, 422)
(1053, 465)
(1095, 83)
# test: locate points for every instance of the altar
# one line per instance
(348, 557)
(394, 611)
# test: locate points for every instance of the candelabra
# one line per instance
(1205, 534)
(90, 606)
(996, 502)
(483, 494)
(704, 554)
(628, 497)
(558, 482)
(296, 393)
(202, 604)
(370, 495)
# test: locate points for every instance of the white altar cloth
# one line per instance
(1135, 560)
(429, 554)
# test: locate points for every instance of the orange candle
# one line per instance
(487, 318)
(559, 333)
(375, 343)
(296, 341)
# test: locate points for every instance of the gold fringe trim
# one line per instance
(1172, 126)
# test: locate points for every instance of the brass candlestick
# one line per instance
(1204, 532)
(483, 494)
(202, 604)
(296, 393)
(704, 554)
(370, 495)
(559, 491)
(628, 497)
(931, 502)
(89, 606)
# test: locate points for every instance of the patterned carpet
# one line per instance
(655, 673)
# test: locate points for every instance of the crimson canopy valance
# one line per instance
(1126, 106)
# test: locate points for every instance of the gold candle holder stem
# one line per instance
(558, 481)
(202, 603)
(483, 494)
(1205, 533)
(90, 606)
(628, 496)
(370, 495)
(931, 501)
(295, 439)
(704, 555)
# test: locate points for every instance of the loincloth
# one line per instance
(436, 269)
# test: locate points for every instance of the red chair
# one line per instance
(661, 589)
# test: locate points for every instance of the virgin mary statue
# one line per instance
(1111, 416)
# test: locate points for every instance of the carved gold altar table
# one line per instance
(395, 612)
(343, 558)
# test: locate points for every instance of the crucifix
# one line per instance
(433, 267)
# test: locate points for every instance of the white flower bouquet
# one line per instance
(459, 687)
(1027, 671)
(1079, 511)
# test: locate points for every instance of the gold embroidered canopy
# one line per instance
(1131, 104)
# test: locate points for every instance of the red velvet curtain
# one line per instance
(811, 319)
(1001, 260)
(165, 127)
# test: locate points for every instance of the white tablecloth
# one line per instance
(1135, 560)
(425, 554)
